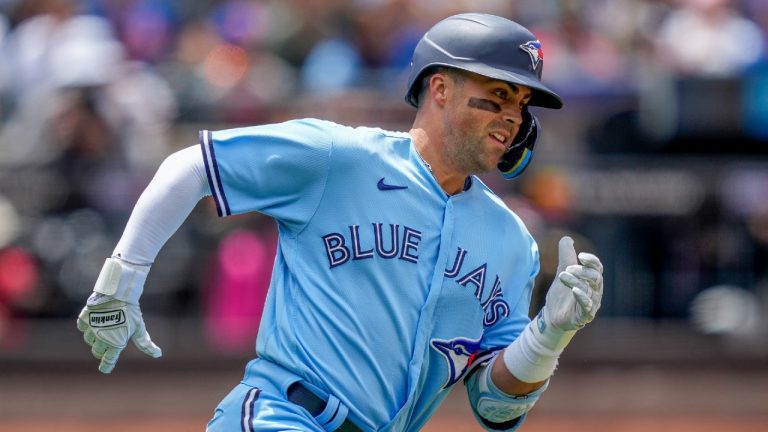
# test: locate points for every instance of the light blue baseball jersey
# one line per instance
(384, 289)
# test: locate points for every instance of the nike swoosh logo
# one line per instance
(383, 186)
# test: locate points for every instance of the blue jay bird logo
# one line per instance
(533, 48)
(459, 353)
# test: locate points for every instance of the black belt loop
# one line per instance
(303, 397)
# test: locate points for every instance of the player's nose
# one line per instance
(512, 115)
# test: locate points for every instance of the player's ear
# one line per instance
(438, 88)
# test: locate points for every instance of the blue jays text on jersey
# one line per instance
(385, 290)
(340, 251)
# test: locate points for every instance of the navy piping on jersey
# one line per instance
(212, 171)
(201, 140)
(249, 404)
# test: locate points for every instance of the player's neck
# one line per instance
(432, 154)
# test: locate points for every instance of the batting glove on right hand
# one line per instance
(112, 315)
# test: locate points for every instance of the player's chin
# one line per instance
(485, 161)
(485, 165)
(493, 159)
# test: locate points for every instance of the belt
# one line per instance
(303, 397)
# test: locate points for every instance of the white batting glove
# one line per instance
(112, 315)
(573, 298)
(572, 301)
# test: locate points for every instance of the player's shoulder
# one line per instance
(489, 196)
(359, 135)
(357, 142)
(354, 136)
(495, 207)
(296, 129)
(382, 133)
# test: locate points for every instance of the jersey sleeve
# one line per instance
(277, 169)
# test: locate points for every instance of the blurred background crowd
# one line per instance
(658, 163)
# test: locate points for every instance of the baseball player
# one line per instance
(398, 273)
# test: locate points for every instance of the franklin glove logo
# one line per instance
(107, 318)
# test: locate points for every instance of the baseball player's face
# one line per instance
(483, 116)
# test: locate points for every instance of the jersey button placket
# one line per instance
(427, 316)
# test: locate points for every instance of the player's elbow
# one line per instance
(494, 409)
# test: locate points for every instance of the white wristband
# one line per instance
(548, 335)
(121, 280)
(532, 357)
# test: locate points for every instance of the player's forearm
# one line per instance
(178, 185)
(510, 384)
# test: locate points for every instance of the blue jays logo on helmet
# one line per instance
(533, 48)
(458, 353)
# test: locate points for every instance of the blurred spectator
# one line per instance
(145, 27)
(80, 94)
(709, 38)
(4, 28)
(332, 65)
(87, 127)
(579, 58)
(39, 26)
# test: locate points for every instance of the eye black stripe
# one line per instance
(484, 104)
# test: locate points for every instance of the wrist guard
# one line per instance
(122, 280)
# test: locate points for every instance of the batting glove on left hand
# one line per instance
(573, 298)
(572, 301)
(112, 315)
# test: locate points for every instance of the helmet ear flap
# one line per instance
(519, 155)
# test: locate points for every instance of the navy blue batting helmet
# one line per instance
(488, 45)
